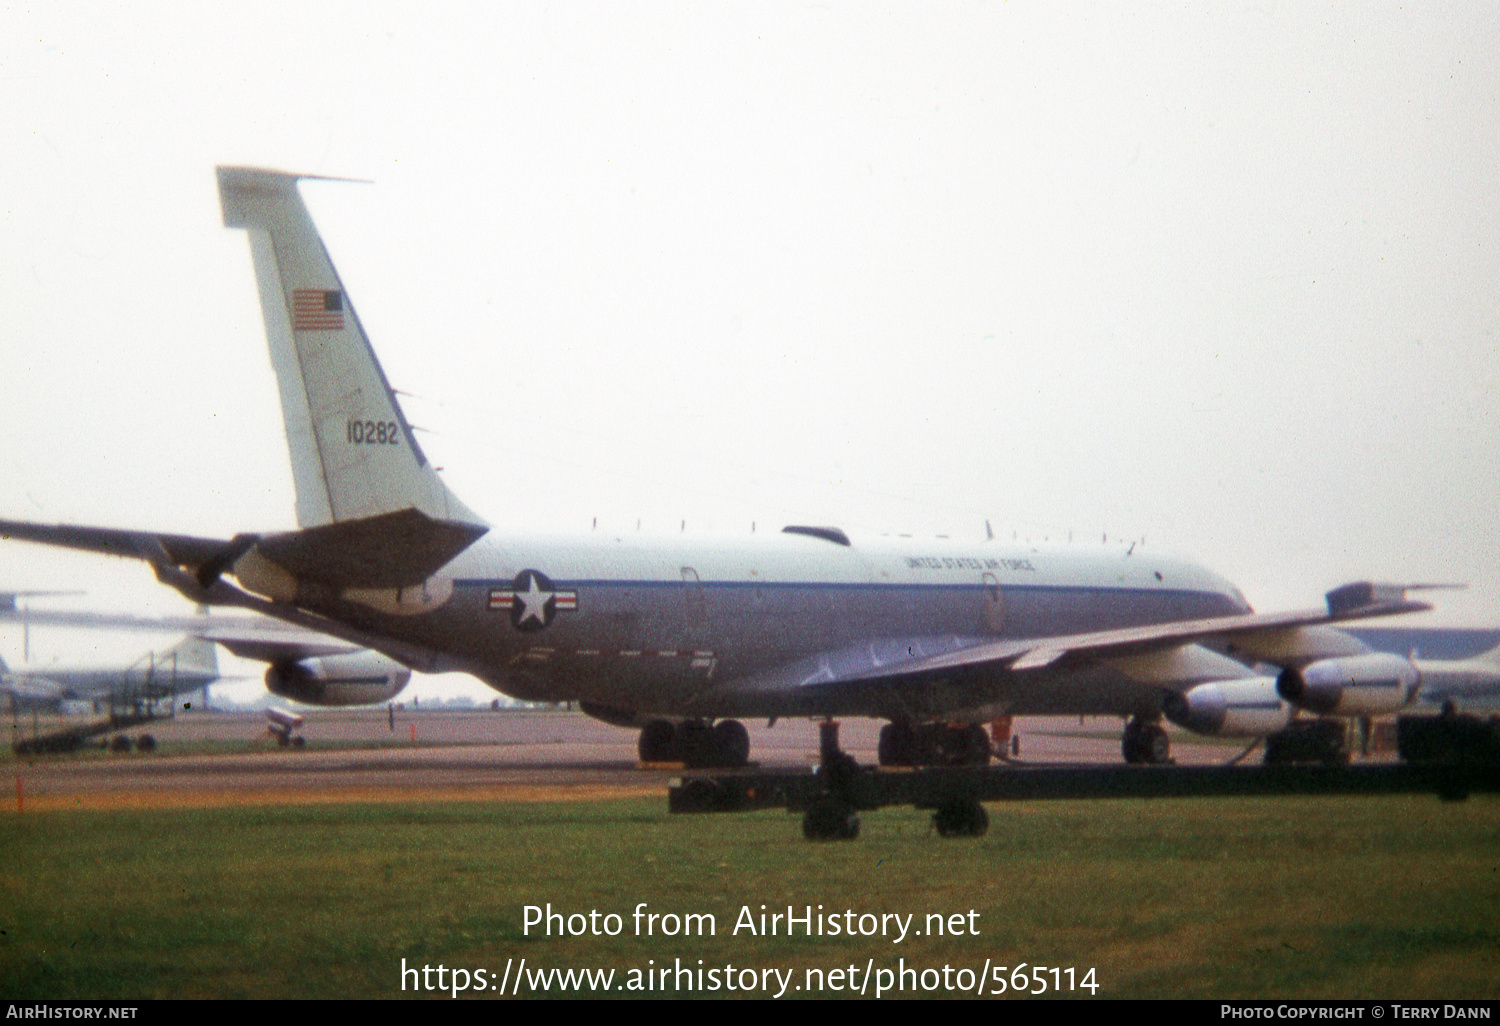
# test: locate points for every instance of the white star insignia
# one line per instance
(534, 600)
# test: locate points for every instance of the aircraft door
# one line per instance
(994, 603)
(692, 598)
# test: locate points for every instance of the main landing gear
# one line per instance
(934, 744)
(1145, 742)
(695, 743)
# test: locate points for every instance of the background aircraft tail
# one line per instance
(194, 655)
(353, 452)
(189, 664)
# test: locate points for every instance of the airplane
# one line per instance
(682, 637)
(189, 665)
(129, 693)
(306, 667)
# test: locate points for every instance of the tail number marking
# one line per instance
(373, 432)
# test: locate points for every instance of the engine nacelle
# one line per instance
(1229, 708)
(351, 678)
(1363, 685)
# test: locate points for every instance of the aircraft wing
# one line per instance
(1258, 635)
(1174, 654)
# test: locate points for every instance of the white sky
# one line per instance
(1227, 280)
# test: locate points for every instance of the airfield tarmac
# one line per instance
(508, 755)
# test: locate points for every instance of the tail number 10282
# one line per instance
(372, 432)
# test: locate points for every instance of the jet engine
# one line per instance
(1229, 708)
(351, 678)
(1363, 685)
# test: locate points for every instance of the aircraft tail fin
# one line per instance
(353, 453)
(192, 655)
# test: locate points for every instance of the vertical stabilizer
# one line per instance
(353, 453)
(191, 656)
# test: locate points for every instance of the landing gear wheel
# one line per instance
(732, 743)
(145, 743)
(1158, 746)
(119, 743)
(829, 819)
(1145, 743)
(961, 818)
(658, 742)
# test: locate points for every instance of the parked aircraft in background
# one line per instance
(189, 665)
(128, 696)
(679, 636)
(304, 666)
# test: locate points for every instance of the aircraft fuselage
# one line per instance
(714, 627)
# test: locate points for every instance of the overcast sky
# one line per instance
(1226, 280)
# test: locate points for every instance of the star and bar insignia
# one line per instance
(533, 600)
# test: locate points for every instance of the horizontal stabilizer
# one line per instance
(28, 688)
(1364, 599)
(270, 649)
(180, 549)
(193, 565)
(392, 550)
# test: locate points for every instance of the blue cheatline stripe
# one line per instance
(571, 584)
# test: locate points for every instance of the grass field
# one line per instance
(1306, 897)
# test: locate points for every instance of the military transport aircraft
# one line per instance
(131, 695)
(189, 665)
(679, 636)
(304, 666)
